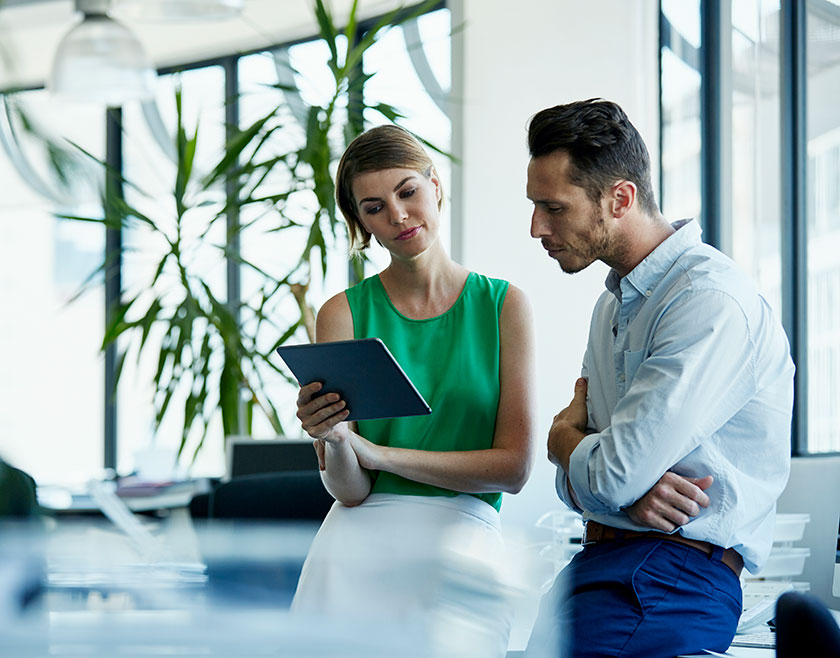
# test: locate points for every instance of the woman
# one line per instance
(409, 485)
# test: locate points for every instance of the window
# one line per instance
(55, 404)
(779, 214)
(680, 108)
(53, 384)
(755, 229)
(823, 224)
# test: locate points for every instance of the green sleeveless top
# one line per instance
(452, 359)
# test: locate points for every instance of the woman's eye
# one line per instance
(372, 210)
(407, 193)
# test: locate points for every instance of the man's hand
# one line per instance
(672, 502)
(568, 428)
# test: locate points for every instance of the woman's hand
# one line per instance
(320, 415)
(370, 455)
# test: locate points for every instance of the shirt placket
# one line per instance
(627, 308)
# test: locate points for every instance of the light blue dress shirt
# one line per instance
(688, 371)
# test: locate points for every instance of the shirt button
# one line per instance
(648, 293)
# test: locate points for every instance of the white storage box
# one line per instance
(790, 527)
(784, 562)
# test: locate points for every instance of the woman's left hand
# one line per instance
(369, 454)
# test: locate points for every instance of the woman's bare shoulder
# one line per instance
(334, 320)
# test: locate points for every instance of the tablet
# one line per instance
(363, 372)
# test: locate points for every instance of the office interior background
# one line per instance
(736, 100)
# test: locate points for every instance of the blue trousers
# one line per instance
(638, 597)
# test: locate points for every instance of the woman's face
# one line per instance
(399, 207)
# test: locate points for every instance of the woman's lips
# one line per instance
(408, 233)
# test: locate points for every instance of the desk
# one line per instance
(751, 652)
(102, 597)
(59, 500)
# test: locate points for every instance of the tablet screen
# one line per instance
(363, 372)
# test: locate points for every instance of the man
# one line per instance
(677, 442)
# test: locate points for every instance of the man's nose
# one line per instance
(538, 225)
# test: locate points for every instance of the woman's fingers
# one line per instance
(317, 411)
(319, 424)
(318, 414)
(306, 393)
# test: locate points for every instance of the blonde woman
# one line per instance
(407, 488)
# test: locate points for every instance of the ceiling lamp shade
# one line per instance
(100, 60)
(179, 10)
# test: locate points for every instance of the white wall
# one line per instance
(516, 62)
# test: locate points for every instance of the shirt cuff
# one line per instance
(579, 474)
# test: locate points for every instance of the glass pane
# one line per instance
(52, 388)
(680, 82)
(756, 219)
(823, 131)
(278, 252)
(152, 172)
(397, 83)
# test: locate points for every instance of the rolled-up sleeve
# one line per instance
(697, 372)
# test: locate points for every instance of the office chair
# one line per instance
(282, 496)
(17, 493)
(805, 627)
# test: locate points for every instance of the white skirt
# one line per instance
(419, 566)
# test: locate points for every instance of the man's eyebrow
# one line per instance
(398, 186)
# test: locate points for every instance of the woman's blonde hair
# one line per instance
(383, 147)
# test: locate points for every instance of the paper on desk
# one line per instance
(119, 514)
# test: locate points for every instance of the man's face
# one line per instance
(569, 224)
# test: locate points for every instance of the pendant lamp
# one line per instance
(100, 60)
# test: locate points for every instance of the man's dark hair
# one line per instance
(604, 147)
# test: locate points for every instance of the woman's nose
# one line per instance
(398, 213)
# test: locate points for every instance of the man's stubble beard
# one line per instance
(598, 246)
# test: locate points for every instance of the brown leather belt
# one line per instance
(594, 533)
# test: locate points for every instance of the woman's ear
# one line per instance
(433, 177)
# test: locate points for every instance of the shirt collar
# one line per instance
(647, 274)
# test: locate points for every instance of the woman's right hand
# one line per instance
(321, 414)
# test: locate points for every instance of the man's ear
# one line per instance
(622, 198)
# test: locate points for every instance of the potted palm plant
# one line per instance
(210, 360)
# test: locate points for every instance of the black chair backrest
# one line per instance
(288, 496)
(805, 627)
(17, 493)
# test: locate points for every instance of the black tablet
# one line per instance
(363, 372)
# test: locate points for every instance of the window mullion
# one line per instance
(113, 277)
(794, 209)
